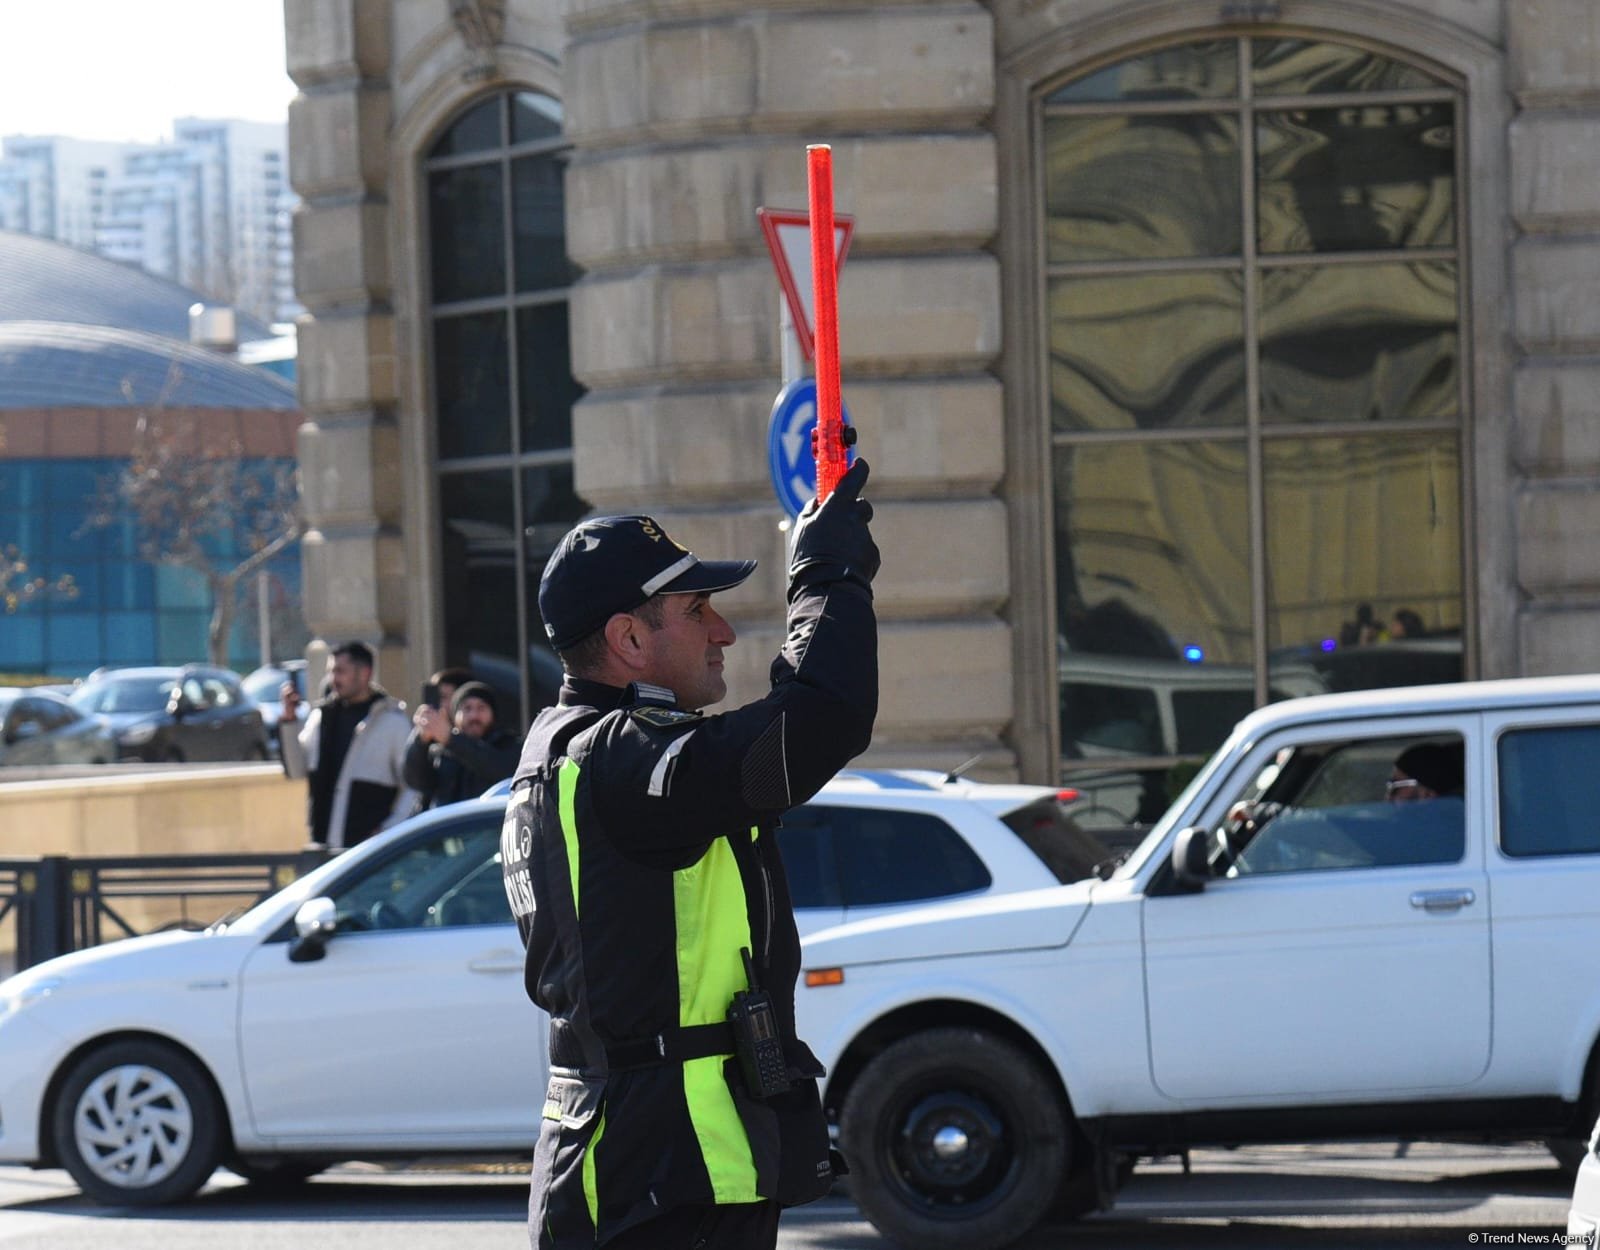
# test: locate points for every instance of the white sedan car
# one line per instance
(376, 1008)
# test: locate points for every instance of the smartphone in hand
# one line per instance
(430, 695)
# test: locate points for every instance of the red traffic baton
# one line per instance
(831, 441)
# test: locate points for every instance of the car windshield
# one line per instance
(264, 684)
(129, 694)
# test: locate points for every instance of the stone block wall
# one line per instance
(1554, 141)
(355, 584)
(687, 116)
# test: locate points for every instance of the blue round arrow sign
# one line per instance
(789, 456)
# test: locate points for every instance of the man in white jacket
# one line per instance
(352, 751)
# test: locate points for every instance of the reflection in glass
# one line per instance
(539, 223)
(1147, 351)
(466, 233)
(1186, 71)
(476, 130)
(478, 552)
(1119, 804)
(1366, 177)
(1142, 188)
(1359, 343)
(1363, 561)
(473, 385)
(545, 386)
(534, 116)
(1152, 596)
(550, 507)
(1300, 67)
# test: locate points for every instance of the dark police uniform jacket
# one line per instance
(640, 859)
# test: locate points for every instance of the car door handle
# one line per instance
(495, 964)
(1442, 900)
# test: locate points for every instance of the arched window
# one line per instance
(1253, 301)
(502, 384)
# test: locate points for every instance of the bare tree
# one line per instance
(17, 588)
(197, 502)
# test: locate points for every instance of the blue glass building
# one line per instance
(72, 391)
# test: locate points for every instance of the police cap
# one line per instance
(612, 564)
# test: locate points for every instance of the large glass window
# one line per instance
(1256, 392)
(503, 389)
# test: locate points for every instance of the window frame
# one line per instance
(430, 471)
(1038, 559)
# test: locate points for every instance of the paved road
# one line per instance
(1356, 1197)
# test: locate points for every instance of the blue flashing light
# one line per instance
(1193, 654)
(1328, 644)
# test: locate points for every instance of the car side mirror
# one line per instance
(1191, 857)
(314, 923)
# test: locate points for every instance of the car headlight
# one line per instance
(13, 1000)
(138, 735)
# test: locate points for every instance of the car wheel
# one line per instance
(138, 1123)
(277, 1174)
(956, 1140)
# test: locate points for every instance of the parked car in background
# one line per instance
(878, 841)
(265, 686)
(176, 715)
(333, 1017)
(37, 727)
(1370, 915)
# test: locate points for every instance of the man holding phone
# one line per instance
(460, 754)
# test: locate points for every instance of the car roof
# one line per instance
(158, 670)
(31, 692)
(1461, 696)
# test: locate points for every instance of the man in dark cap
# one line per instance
(459, 756)
(1428, 770)
(642, 869)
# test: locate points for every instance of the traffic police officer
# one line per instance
(641, 865)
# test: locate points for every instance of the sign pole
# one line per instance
(789, 352)
(829, 443)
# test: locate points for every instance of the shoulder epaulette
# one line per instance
(661, 717)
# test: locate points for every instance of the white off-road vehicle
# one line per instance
(1293, 953)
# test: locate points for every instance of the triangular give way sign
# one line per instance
(788, 236)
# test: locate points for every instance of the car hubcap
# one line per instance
(951, 1153)
(133, 1126)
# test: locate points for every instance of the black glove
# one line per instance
(832, 543)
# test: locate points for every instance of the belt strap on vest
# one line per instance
(694, 1041)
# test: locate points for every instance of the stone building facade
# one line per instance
(1193, 343)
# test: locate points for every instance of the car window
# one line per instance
(1550, 791)
(805, 838)
(195, 691)
(449, 879)
(1331, 805)
(1067, 850)
(132, 694)
(1117, 718)
(53, 715)
(27, 712)
(264, 684)
(888, 856)
(1204, 718)
(217, 693)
